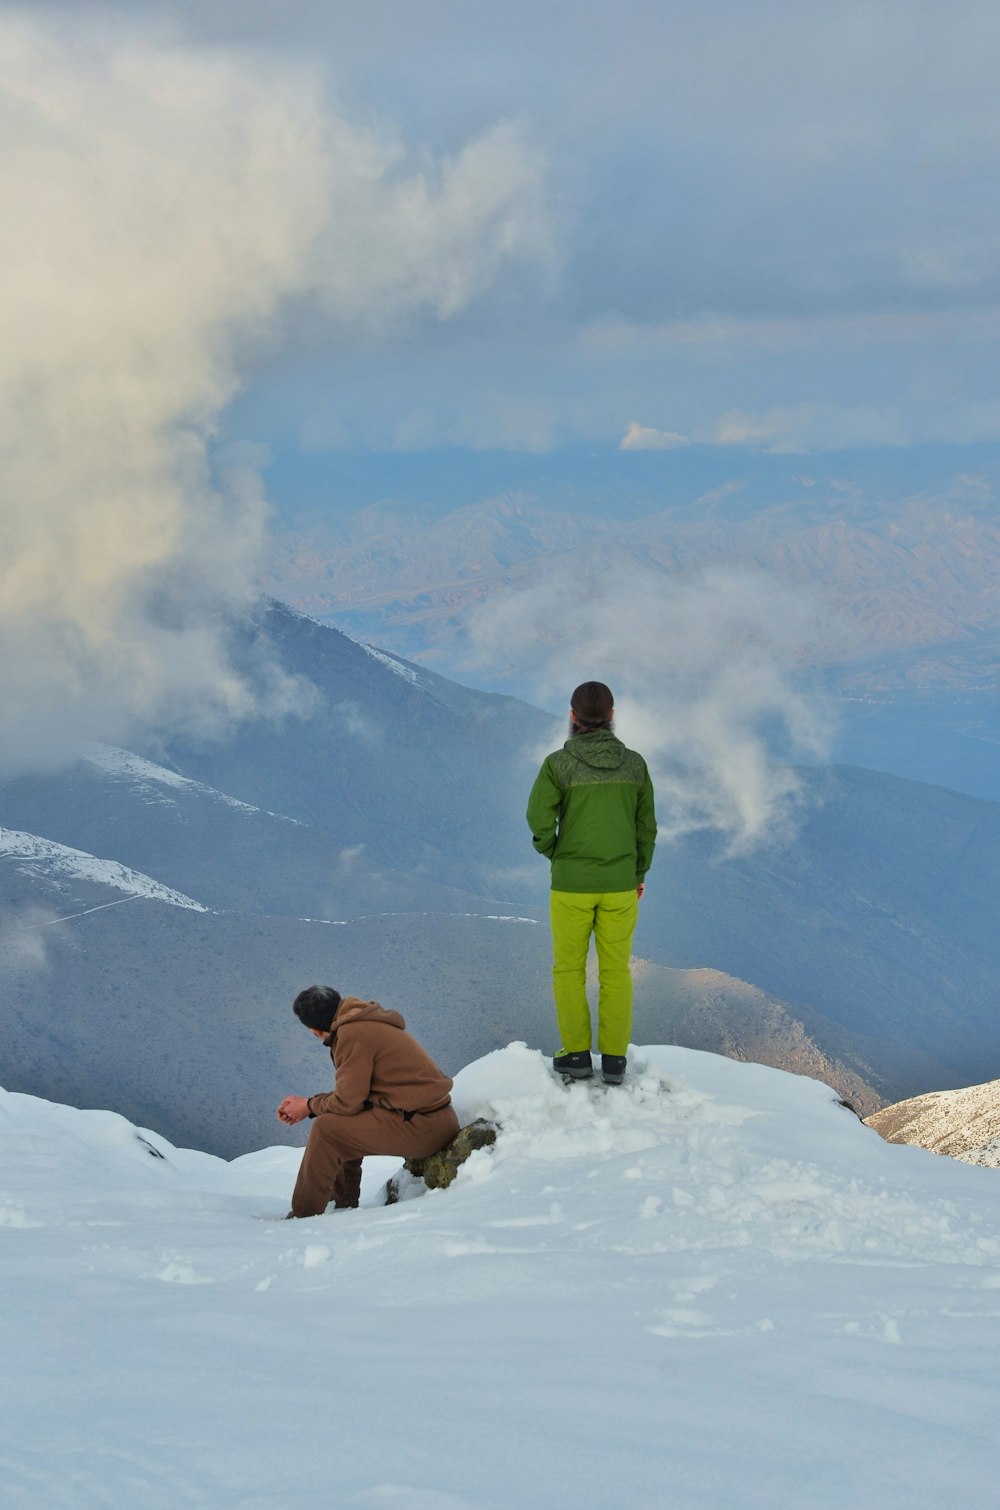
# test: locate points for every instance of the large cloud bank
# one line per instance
(164, 206)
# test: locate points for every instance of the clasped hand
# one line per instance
(293, 1109)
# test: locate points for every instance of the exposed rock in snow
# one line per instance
(439, 1170)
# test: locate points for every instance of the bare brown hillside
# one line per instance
(964, 1124)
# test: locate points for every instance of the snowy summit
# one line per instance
(711, 1287)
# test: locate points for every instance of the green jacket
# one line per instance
(591, 813)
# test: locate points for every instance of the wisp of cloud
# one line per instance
(163, 205)
(24, 939)
(706, 673)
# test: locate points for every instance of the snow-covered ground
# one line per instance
(710, 1287)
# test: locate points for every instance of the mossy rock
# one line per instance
(439, 1169)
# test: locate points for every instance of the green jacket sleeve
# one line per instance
(544, 804)
(645, 829)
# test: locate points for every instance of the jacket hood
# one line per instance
(354, 1009)
(600, 749)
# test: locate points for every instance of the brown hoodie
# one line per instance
(378, 1063)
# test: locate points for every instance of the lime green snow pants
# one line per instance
(611, 917)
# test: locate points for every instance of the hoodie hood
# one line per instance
(599, 749)
(354, 1009)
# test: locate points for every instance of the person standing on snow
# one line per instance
(390, 1098)
(591, 814)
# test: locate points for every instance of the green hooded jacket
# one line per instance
(591, 813)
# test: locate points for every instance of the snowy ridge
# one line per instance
(711, 1287)
(145, 774)
(500, 917)
(290, 611)
(119, 762)
(46, 860)
(485, 917)
(406, 672)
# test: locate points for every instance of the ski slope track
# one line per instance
(712, 1287)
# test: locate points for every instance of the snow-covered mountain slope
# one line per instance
(964, 1124)
(159, 783)
(430, 776)
(196, 839)
(45, 860)
(713, 1287)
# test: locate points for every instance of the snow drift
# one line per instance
(714, 1286)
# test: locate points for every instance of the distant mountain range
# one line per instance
(910, 583)
(377, 841)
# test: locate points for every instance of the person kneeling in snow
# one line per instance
(389, 1098)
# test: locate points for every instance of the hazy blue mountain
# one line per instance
(908, 577)
(182, 1018)
(391, 814)
(876, 924)
(943, 738)
(905, 570)
(879, 923)
(427, 775)
(226, 853)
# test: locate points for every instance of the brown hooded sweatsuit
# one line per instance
(390, 1098)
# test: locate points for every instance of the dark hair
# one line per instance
(316, 1007)
(593, 704)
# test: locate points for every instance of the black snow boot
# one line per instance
(574, 1066)
(613, 1068)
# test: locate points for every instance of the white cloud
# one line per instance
(358, 726)
(24, 939)
(706, 673)
(642, 438)
(170, 202)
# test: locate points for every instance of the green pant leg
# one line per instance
(614, 924)
(572, 916)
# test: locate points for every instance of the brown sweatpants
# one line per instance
(331, 1165)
